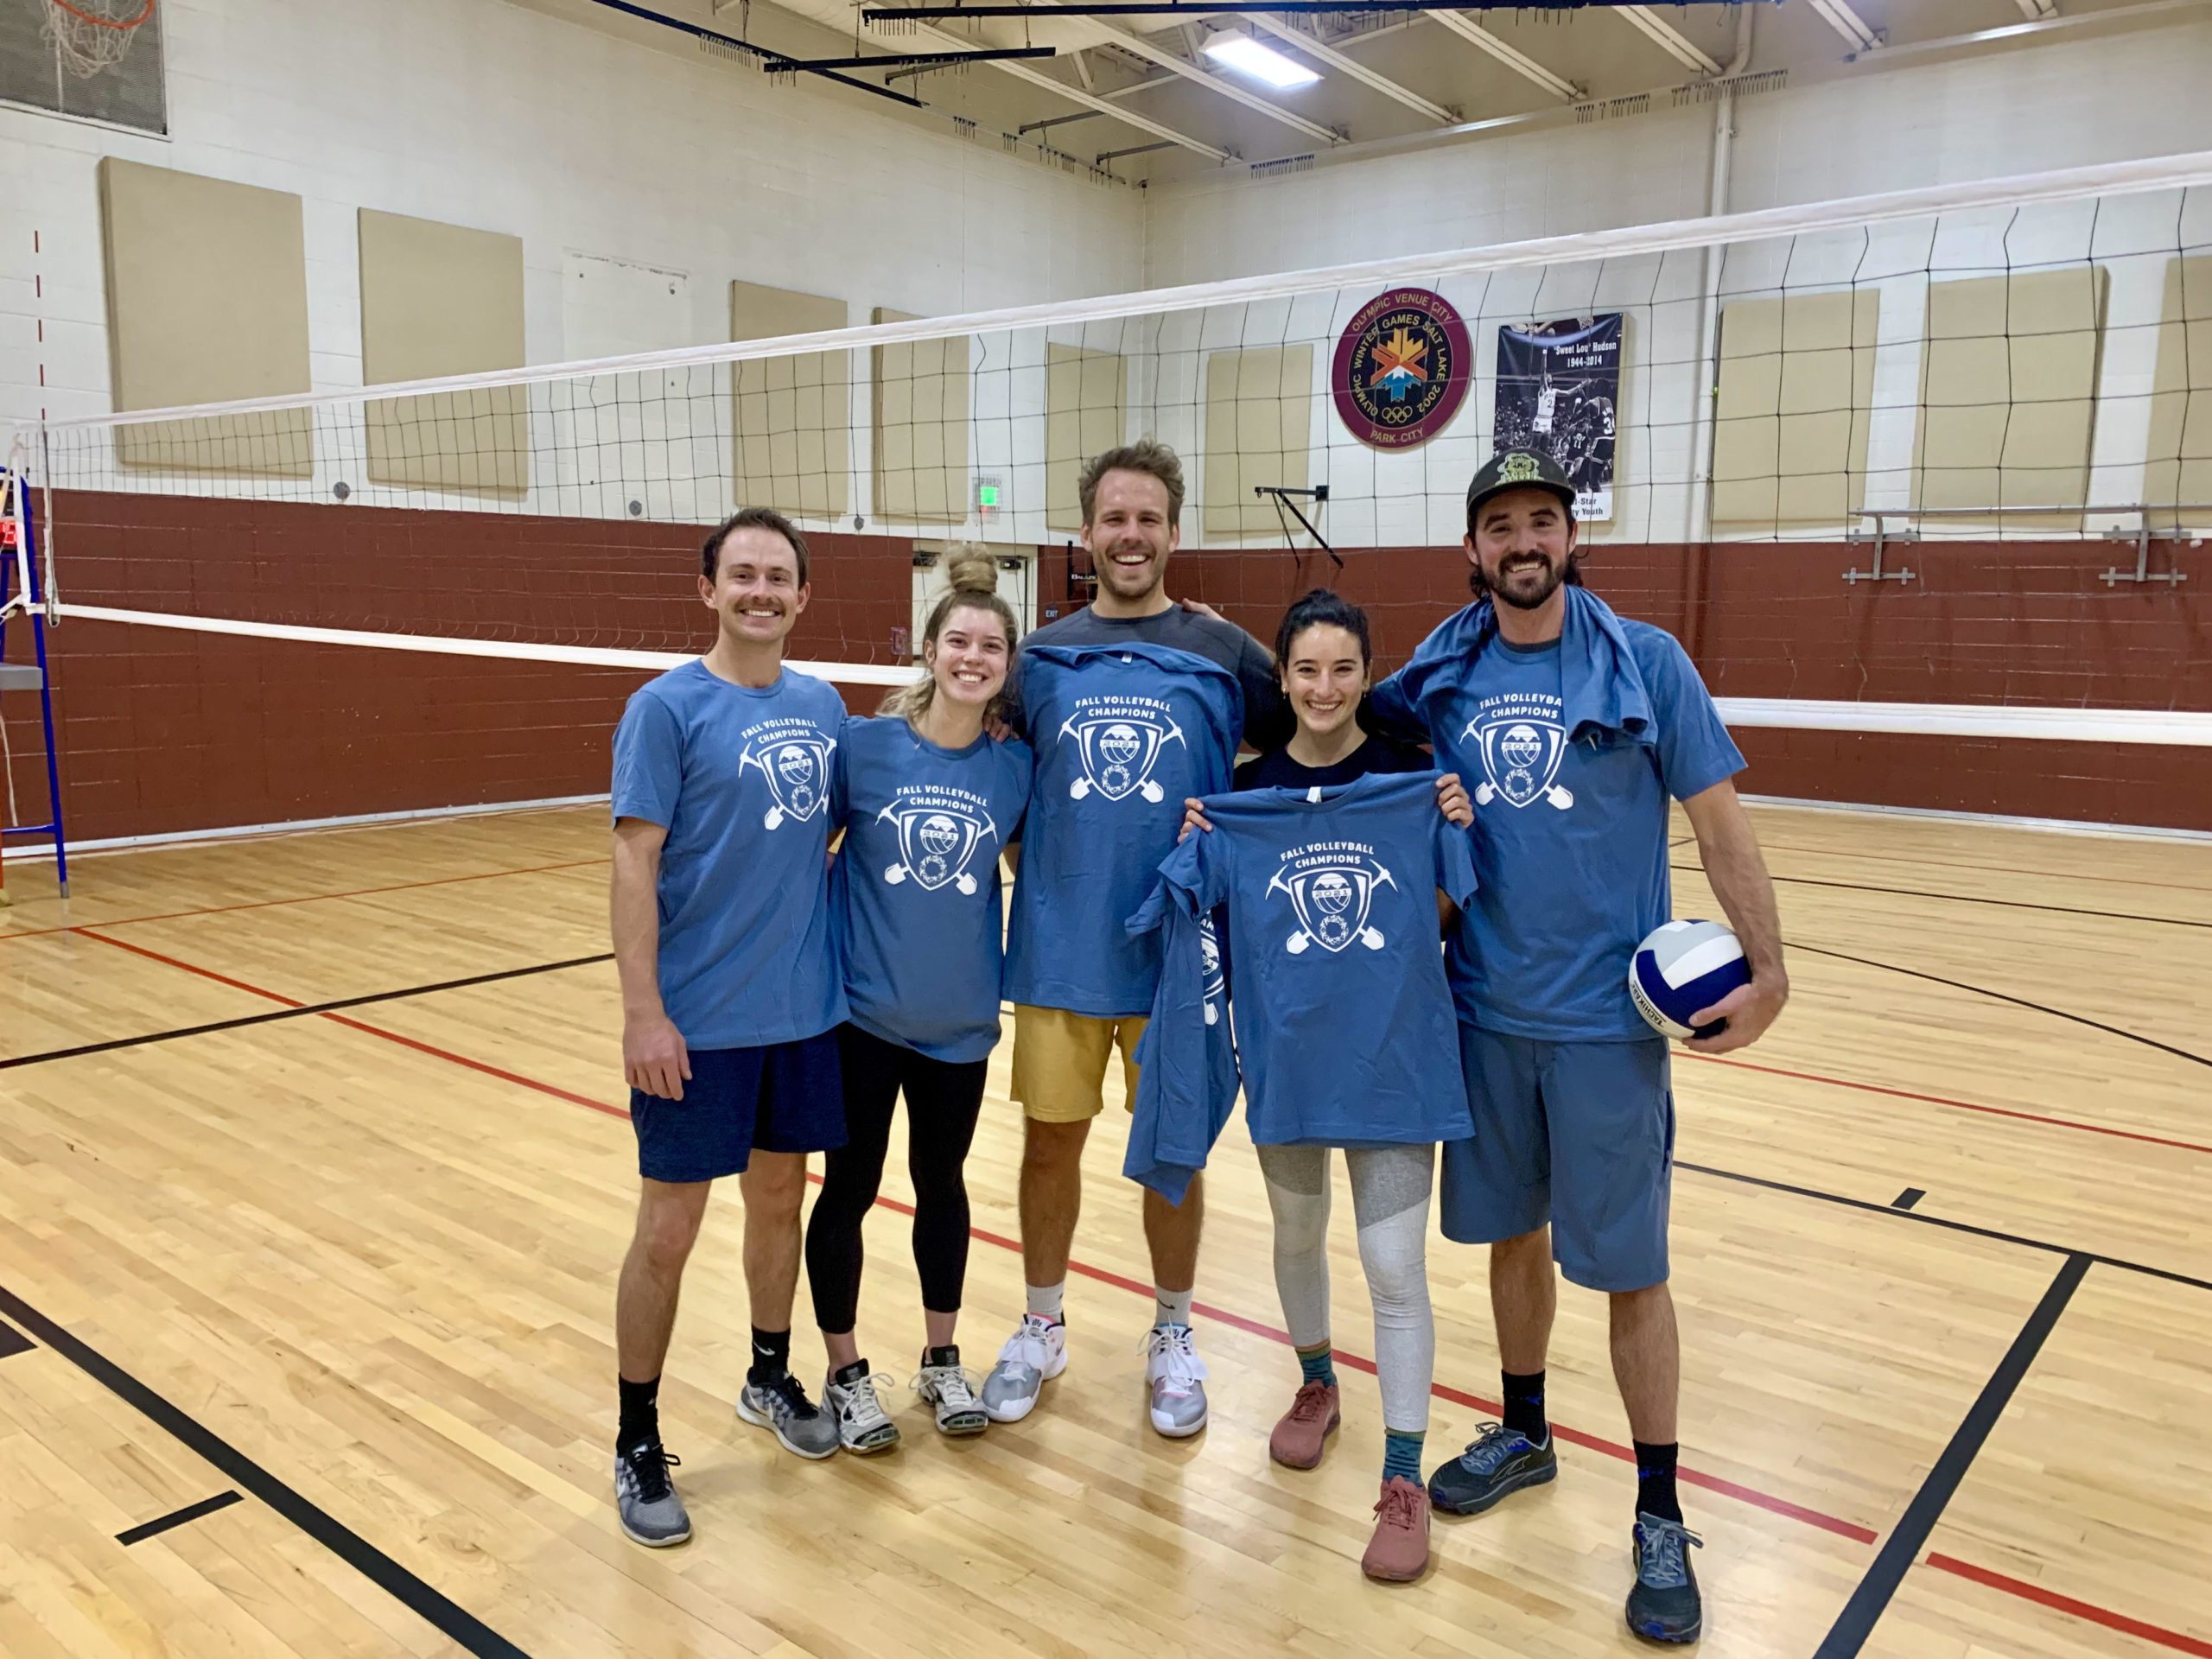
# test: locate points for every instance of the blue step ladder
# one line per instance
(21, 593)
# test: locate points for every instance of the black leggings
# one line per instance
(943, 1098)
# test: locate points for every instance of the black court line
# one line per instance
(189, 1513)
(1972, 899)
(274, 1014)
(12, 1341)
(1995, 1235)
(1907, 1198)
(2000, 996)
(1903, 1547)
(449, 1617)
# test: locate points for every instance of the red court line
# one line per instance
(300, 899)
(2080, 1609)
(1781, 1506)
(1944, 1100)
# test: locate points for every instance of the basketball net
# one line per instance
(90, 35)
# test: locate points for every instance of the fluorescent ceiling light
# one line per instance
(1261, 62)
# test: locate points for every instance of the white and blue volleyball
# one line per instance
(1682, 968)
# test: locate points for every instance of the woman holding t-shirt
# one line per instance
(1323, 655)
(930, 801)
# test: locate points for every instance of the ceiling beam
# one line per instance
(1077, 95)
(2036, 11)
(1322, 52)
(1520, 62)
(1671, 41)
(1839, 16)
(1168, 60)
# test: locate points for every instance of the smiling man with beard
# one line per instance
(1575, 727)
(1130, 704)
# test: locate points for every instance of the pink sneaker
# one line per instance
(1398, 1554)
(1296, 1443)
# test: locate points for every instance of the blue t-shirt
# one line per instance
(1337, 988)
(744, 781)
(1570, 835)
(917, 884)
(1122, 735)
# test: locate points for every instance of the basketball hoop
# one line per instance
(90, 35)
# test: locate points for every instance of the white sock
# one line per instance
(1174, 1307)
(1046, 1301)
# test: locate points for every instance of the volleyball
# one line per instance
(1682, 968)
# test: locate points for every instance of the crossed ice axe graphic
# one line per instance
(1558, 794)
(1302, 936)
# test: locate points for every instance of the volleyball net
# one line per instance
(1932, 463)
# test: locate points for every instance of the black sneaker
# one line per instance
(1665, 1607)
(653, 1514)
(1499, 1463)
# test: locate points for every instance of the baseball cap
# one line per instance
(1514, 469)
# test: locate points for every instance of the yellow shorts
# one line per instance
(1059, 1061)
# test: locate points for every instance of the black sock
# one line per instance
(1524, 1405)
(845, 1376)
(1654, 1480)
(640, 1424)
(772, 1356)
(947, 1354)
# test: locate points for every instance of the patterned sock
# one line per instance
(1524, 1405)
(772, 1356)
(1654, 1480)
(1174, 1306)
(1046, 1301)
(1401, 1454)
(640, 1424)
(1315, 1363)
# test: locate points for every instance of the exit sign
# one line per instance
(989, 496)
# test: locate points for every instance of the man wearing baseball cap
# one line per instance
(1576, 726)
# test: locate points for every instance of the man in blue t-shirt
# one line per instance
(725, 772)
(1575, 727)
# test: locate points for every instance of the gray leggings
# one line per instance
(1390, 1188)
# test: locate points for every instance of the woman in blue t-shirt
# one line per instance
(930, 801)
(1324, 656)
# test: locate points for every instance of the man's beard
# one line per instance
(1557, 575)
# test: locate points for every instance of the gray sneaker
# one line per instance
(653, 1514)
(782, 1408)
(1034, 1355)
(950, 1390)
(863, 1427)
(1178, 1380)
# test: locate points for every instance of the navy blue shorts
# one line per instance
(782, 1097)
(1578, 1135)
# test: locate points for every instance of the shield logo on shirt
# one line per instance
(1521, 757)
(1215, 983)
(1117, 752)
(935, 844)
(798, 771)
(1332, 902)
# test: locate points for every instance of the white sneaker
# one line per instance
(948, 1387)
(863, 1427)
(1034, 1355)
(1177, 1374)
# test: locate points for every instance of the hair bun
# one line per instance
(973, 571)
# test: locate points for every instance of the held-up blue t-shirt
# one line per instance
(744, 780)
(1122, 735)
(917, 884)
(1570, 835)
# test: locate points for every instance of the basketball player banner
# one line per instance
(1559, 388)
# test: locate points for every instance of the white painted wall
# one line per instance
(490, 115)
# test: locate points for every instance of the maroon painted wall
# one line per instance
(164, 731)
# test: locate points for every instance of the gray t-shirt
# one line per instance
(1267, 717)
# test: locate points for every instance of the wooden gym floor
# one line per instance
(314, 1182)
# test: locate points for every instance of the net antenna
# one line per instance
(92, 36)
(1285, 501)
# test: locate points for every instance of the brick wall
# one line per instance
(165, 731)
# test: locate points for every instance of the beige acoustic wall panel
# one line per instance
(921, 393)
(207, 301)
(436, 300)
(2178, 471)
(2008, 392)
(1796, 398)
(794, 443)
(1259, 430)
(1086, 400)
